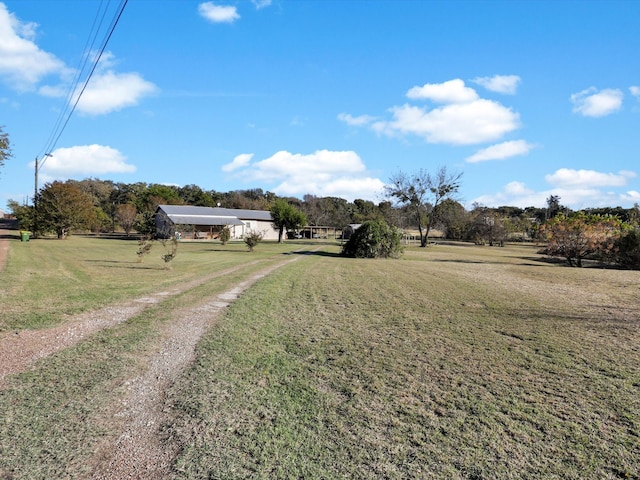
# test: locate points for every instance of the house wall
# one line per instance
(164, 226)
(266, 228)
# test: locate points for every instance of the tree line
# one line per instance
(421, 203)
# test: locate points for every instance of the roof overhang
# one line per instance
(204, 220)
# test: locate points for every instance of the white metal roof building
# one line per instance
(207, 222)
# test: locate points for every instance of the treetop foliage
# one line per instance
(286, 217)
(580, 236)
(5, 147)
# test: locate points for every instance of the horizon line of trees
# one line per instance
(424, 203)
(101, 205)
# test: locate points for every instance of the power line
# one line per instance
(82, 64)
(60, 126)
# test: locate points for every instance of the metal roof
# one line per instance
(190, 215)
(204, 220)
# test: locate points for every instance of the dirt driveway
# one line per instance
(137, 452)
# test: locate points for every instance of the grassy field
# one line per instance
(47, 280)
(453, 362)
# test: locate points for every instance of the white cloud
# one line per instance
(501, 151)
(110, 91)
(366, 188)
(259, 4)
(452, 91)
(576, 188)
(594, 103)
(218, 13)
(239, 161)
(355, 121)
(322, 173)
(22, 63)
(86, 160)
(566, 177)
(479, 121)
(517, 188)
(463, 119)
(574, 198)
(635, 91)
(632, 196)
(507, 84)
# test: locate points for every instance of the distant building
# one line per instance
(208, 222)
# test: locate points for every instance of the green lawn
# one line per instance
(453, 362)
(46, 280)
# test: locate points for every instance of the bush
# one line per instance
(224, 236)
(627, 251)
(252, 239)
(374, 239)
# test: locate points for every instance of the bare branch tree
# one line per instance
(423, 193)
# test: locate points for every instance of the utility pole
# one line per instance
(35, 204)
(35, 196)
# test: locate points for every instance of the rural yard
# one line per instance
(455, 361)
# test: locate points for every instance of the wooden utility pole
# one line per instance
(35, 204)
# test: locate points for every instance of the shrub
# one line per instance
(145, 244)
(171, 250)
(252, 239)
(225, 235)
(374, 239)
(627, 251)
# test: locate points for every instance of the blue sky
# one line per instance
(330, 97)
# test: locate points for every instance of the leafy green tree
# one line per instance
(146, 224)
(374, 239)
(627, 248)
(364, 210)
(194, 195)
(454, 219)
(286, 216)
(5, 147)
(554, 207)
(487, 226)
(63, 207)
(155, 194)
(580, 236)
(423, 193)
(23, 213)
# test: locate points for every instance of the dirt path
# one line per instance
(18, 350)
(138, 452)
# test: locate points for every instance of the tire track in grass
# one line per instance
(139, 452)
(18, 350)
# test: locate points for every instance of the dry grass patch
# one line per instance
(65, 411)
(46, 280)
(455, 362)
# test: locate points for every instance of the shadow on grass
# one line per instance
(130, 265)
(10, 236)
(110, 236)
(319, 253)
